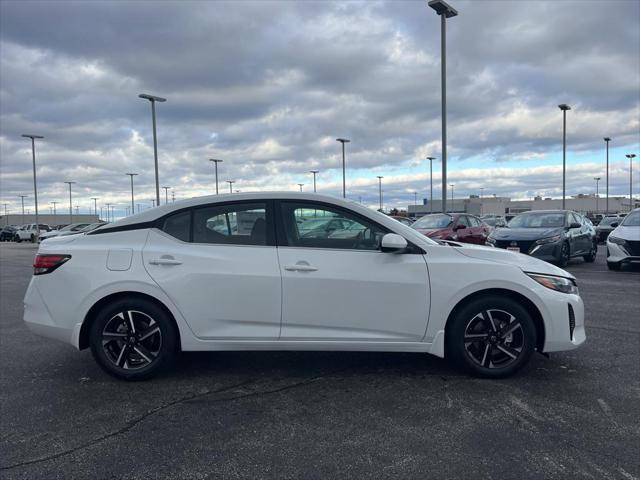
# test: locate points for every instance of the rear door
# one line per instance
(219, 266)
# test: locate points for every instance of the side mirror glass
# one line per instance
(574, 225)
(393, 243)
(614, 224)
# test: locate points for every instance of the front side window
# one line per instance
(321, 226)
(463, 220)
(239, 224)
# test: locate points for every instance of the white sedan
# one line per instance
(233, 272)
(623, 243)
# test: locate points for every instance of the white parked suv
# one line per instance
(29, 232)
(623, 243)
(236, 272)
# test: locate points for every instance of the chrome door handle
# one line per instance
(300, 268)
(164, 261)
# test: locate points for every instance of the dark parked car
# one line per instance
(460, 227)
(7, 233)
(552, 235)
(606, 226)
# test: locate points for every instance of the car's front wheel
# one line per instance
(491, 337)
(565, 255)
(133, 339)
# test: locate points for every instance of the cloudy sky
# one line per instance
(267, 86)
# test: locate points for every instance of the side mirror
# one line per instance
(393, 243)
(575, 225)
(458, 227)
(614, 224)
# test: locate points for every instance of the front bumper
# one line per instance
(565, 330)
(618, 254)
(549, 252)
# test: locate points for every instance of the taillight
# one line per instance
(47, 263)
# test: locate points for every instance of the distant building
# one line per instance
(504, 205)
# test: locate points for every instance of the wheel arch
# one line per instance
(83, 340)
(531, 307)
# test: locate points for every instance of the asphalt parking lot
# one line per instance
(325, 415)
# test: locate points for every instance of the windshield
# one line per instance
(609, 220)
(433, 221)
(491, 221)
(632, 220)
(538, 220)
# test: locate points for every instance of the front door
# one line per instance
(219, 266)
(339, 286)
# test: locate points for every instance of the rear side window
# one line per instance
(239, 224)
(178, 225)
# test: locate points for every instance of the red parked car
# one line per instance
(460, 227)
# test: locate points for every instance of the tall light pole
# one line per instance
(564, 107)
(54, 212)
(95, 206)
(315, 172)
(70, 204)
(35, 185)
(630, 156)
(301, 185)
(606, 210)
(166, 194)
(231, 182)
(380, 190)
(22, 197)
(481, 198)
(597, 179)
(108, 205)
(173, 195)
(216, 162)
(445, 11)
(344, 181)
(153, 99)
(131, 175)
(451, 185)
(415, 198)
(431, 159)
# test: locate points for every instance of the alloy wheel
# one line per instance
(494, 339)
(131, 340)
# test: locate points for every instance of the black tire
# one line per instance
(591, 257)
(614, 266)
(514, 332)
(565, 255)
(123, 351)
(18, 239)
(33, 238)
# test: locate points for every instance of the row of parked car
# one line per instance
(29, 232)
(555, 236)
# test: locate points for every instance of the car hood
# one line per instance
(626, 233)
(524, 262)
(525, 233)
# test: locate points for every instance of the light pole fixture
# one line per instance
(564, 107)
(35, 185)
(95, 205)
(344, 182)
(630, 156)
(22, 197)
(166, 194)
(153, 99)
(597, 179)
(132, 175)
(606, 209)
(301, 185)
(451, 185)
(314, 172)
(231, 182)
(431, 159)
(445, 11)
(380, 190)
(216, 161)
(70, 204)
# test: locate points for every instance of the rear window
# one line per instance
(178, 226)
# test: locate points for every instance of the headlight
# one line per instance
(555, 238)
(616, 240)
(559, 284)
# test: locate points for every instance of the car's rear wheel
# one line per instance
(133, 339)
(491, 337)
(613, 266)
(591, 257)
(565, 255)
